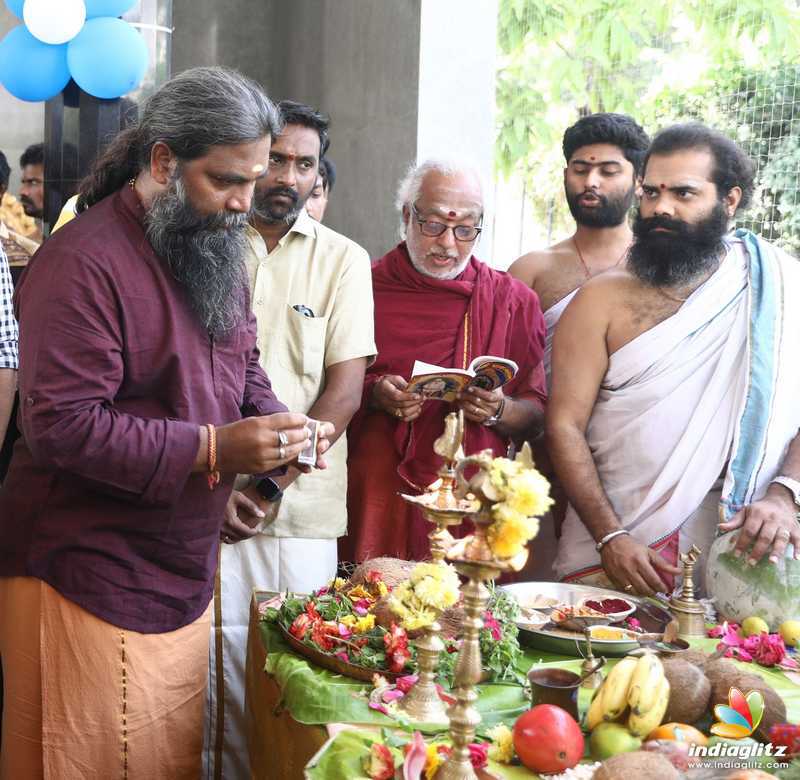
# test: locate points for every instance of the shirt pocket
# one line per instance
(304, 351)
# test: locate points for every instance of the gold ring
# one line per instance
(398, 413)
(281, 452)
(628, 587)
(283, 439)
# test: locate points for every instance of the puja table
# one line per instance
(307, 722)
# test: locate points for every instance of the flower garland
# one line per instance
(523, 495)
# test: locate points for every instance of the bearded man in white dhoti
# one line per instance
(674, 412)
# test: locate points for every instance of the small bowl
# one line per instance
(620, 634)
(614, 617)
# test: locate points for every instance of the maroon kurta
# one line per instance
(447, 323)
(116, 375)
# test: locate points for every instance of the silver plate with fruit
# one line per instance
(538, 600)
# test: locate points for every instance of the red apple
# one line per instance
(548, 739)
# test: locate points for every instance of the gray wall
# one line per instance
(401, 79)
(21, 123)
(358, 61)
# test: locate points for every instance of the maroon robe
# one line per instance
(447, 323)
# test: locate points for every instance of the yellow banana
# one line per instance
(615, 688)
(645, 680)
(642, 725)
(594, 715)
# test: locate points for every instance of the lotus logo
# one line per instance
(741, 716)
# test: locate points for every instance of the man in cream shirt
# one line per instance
(311, 292)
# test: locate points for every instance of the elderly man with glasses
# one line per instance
(435, 302)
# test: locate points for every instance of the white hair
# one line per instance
(411, 183)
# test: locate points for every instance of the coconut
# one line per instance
(392, 570)
(689, 691)
(774, 706)
(639, 763)
(695, 657)
(720, 669)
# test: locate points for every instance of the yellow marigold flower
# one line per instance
(339, 583)
(364, 624)
(502, 747)
(433, 760)
(349, 620)
(418, 618)
(529, 493)
(382, 588)
(359, 592)
(509, 533)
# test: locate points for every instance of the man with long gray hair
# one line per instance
(142, 397)
(436, 302)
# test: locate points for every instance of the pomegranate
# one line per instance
(548, 739)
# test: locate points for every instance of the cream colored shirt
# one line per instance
(315, 267)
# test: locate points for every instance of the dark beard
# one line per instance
(205, 255)
(674, 259)
(610, 213)
(271, 213)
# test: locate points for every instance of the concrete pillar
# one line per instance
(401, 79)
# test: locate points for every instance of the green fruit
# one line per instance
(609, 739)
(753, 626)
(790, 632)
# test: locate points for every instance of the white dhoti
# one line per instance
(261, 563)
(696, 392)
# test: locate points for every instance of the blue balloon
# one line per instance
(15, 6)
(32, 70)
(106, 7)
(107, 58)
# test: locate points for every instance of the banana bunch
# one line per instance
(636, 687)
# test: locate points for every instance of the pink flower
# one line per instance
(374, 705)
(739, 653)
(492, 625)
(321, 591)
(344, 631)
(445, 697)
(478, 754)
(342, 656)
(416, 756)
(724, 629)
(392, 695)
(633, 623)
(766, 649)
(405, 683)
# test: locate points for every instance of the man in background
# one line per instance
(311, 293)
(31, 190)
(323, 187)
(436, 302)
(603, 154)
(14, 222)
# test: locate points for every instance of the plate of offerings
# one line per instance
(554, 616)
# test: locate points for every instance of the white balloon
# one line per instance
(54, 22)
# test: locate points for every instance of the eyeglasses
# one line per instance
(435, 229)
(31, 182)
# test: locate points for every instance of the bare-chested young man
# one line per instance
(674, 371)
(604, 153)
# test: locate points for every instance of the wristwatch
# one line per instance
(268, 490)
(792, 485)
(495, 418)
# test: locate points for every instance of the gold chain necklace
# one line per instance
(583, 262)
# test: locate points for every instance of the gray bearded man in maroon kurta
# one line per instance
(436, 302)
(139, 384)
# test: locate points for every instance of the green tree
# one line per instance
(659, 62)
